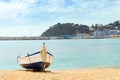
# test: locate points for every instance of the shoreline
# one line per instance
(71, 74)
(49, 38)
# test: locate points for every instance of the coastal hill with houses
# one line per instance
(75, 31)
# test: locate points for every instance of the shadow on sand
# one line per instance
(47, 71)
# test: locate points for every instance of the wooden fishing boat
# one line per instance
(37, 61)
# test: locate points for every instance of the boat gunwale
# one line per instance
(37, 53)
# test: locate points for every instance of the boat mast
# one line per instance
(43, 53)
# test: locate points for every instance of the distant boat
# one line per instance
(38, 61)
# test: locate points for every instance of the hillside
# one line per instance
(71, 29)
(113, 26)
(65, 29)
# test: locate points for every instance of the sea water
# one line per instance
(68, 54)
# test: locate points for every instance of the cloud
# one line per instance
(49, 12)
(11, 11)
(27, 8)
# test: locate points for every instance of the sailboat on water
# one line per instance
(37, 61)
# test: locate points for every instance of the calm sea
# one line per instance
(68, 54)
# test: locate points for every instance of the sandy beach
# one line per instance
(78, 74)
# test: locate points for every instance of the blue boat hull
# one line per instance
(39, 66)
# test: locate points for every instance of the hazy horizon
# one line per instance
(33, 17)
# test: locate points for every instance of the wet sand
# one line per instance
(76, 74)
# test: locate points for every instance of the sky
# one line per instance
(33, 17)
